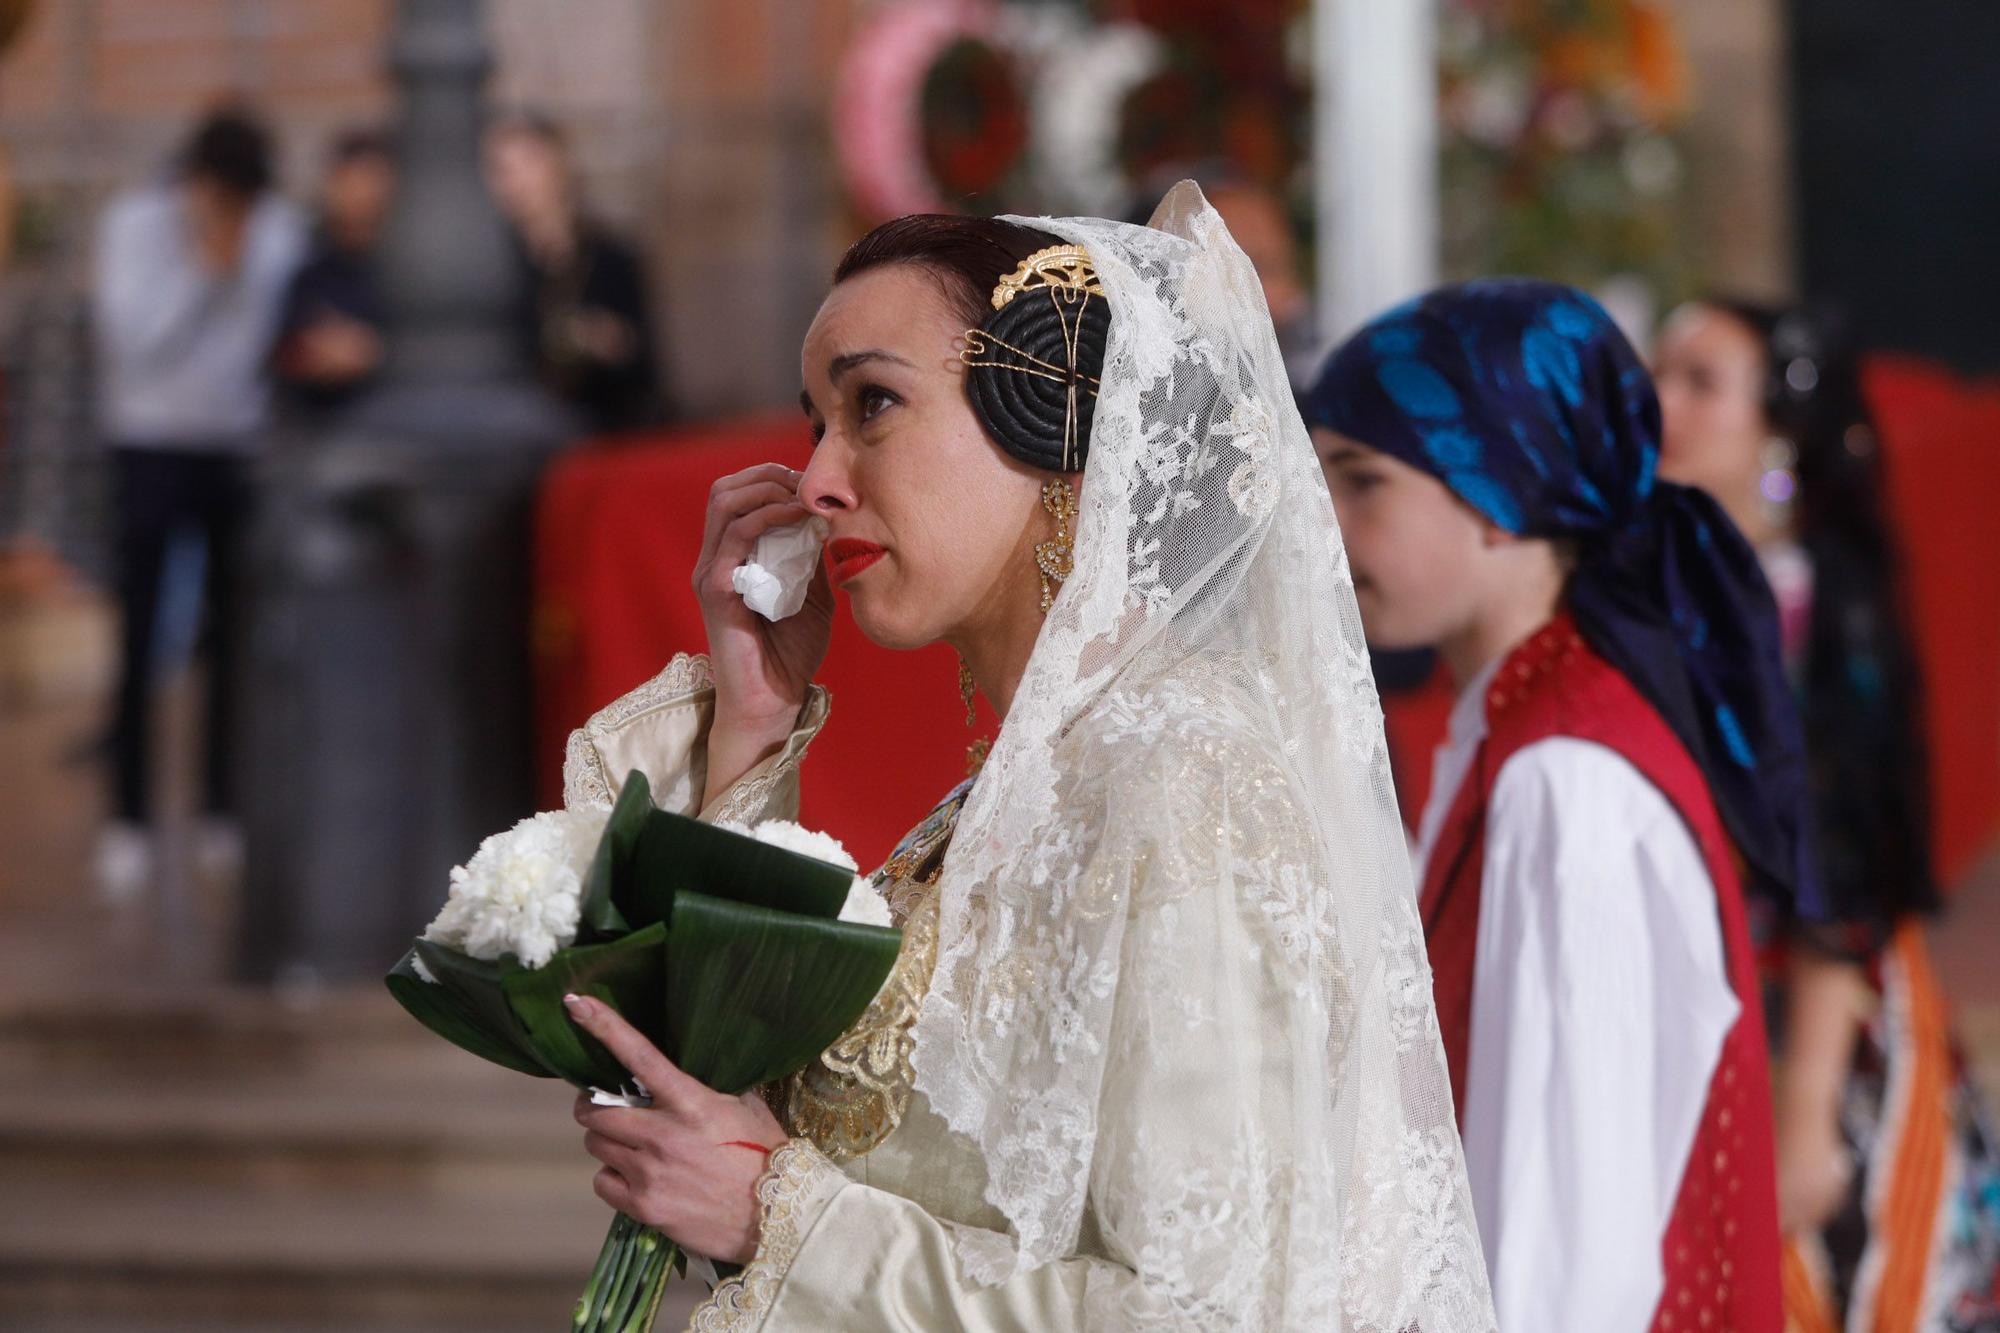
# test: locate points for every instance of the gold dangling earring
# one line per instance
(975, 753)
(1055, 558)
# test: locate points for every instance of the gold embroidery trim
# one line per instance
(858, 1091)
(742, 1301)
(585, 782)
(750, 800)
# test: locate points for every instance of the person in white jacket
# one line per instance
(190, 280)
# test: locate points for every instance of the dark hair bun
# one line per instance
(1031, 365)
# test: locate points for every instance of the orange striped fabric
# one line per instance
(1904, 1221)
(1808, 1297)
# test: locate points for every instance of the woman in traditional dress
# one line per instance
(1160, 1049)
(1888, 1187)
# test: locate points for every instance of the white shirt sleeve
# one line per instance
(149, 290)
(1600, 1002)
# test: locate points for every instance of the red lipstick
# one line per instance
(849, 557)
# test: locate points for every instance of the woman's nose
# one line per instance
(825, 488)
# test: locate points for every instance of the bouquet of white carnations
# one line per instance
(741, 953)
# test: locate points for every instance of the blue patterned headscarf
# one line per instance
(1524, 399)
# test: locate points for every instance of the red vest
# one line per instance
(1721, 1248)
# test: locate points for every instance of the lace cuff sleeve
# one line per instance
(661, 729)
(793, 1193)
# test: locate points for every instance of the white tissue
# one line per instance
(636, 1099)
(774, 580)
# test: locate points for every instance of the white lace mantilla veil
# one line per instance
(1197, 740)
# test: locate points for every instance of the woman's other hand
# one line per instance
(1828, 1004)
(762, 668)
(1815, 1171)
(689, 1164)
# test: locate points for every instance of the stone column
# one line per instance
(389, 727)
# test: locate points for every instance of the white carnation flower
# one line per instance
(784, 833)
(521, 892)
(864, 906)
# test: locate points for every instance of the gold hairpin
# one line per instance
(978, 342)
(1064, 268)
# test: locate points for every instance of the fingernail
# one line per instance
(577, 1005)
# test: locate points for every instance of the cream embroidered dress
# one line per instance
(855, 1116)
(1159, 1051)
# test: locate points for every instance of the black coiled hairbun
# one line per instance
(1033, 366)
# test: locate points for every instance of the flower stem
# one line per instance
(591, 1302)
(629, 1261)
(625, 1289)
(652, 1283)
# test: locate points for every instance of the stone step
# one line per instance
(226, 1162)
(477, 1229)
(211, 1028)
(170, 1305)
(499, 1251)
(398, 1113)
(253, 1093)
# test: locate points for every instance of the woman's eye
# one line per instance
(872, 399)
(817, 430)
(1358, 482)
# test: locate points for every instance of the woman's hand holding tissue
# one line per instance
(762, 667)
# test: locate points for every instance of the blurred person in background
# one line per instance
(585, 315)
(1889, 1190)
(1256, 217)
(190, 280)
(330, 338)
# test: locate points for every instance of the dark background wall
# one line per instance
(1896, 123)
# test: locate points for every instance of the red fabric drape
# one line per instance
(618, 527)
(1941, 464)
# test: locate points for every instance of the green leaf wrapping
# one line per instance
(674, 854)
(443, 1011)
(755, 994)
(476, 985)
(628, 974)
(598, 917)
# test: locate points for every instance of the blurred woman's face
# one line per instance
(526, 174)
(1709, 368)
(932, 526)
